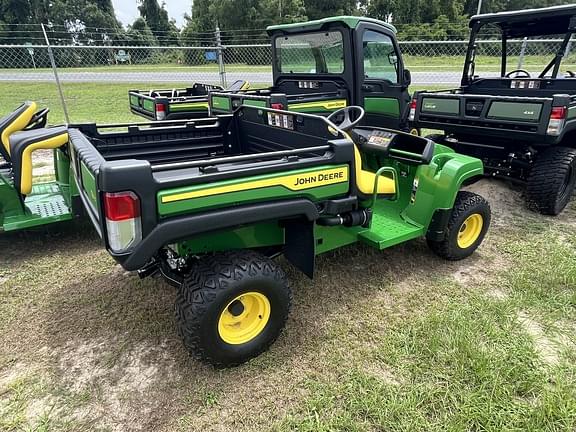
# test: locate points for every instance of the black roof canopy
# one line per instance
(530, 22)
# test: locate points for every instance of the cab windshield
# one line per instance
(311, 53)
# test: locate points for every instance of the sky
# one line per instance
(127, 12)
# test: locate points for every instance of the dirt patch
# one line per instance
(124, 383)
(505, 200)
(42, 163)
(480, 267)
(546, 347)
(11, 375)
(382, 373)
(497, 294)
(41, 407)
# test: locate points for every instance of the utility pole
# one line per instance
(479, 7)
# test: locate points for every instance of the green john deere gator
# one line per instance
(208, 204)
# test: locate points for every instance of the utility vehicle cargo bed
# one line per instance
(174, 158)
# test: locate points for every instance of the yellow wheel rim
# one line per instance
(414, 131)
(244, 318)
(470, 231)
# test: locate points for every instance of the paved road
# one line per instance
(418, 78)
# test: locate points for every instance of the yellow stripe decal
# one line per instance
(329, 105)
(294, 182)
(192, 105)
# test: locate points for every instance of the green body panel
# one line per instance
(385, 106)
(221, 103)
(255, 103)
(259, 235)
(441, 106)
(519, 111)
(10, 205)
(246, 196)
(89, 184)
(148, 105)
(349, 21)
(330, 238)
(422, 190)
(134, 101)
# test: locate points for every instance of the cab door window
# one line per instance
(380, 57)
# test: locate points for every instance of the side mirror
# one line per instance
(407, 78)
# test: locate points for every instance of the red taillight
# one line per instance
(412, 113)
(277, 106)
(121, 206)
(160, 111)
(558, 113)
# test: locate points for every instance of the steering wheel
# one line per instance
(524, 72)
(570, 74)
(346, 123)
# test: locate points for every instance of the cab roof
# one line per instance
(530, 22)
(351, 22)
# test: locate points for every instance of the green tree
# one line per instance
(316, 9)
(156, 17)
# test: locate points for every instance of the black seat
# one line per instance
(15, 121)
(22, 144)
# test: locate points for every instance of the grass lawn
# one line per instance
(397, 340)
(86, 102)
(390, 341)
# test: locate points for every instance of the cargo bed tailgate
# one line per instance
(454, 111)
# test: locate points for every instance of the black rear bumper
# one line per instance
(184, 227)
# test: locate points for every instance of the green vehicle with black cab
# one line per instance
(322, 66)
(208, 204)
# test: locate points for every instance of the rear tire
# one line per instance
(552, 180)
(232, 307)
(467, 227)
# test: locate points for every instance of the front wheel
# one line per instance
(552, 180)
(232, 307)
(467, 227)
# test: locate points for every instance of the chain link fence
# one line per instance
(94, 80)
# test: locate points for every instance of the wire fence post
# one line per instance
(55, 70)
(522, 53)
(219, 49)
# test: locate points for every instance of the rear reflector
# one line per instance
(123, 223)
(557, 120)
(160, 111)
(413, 106)
(277, 106)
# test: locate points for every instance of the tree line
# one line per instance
(85, 22)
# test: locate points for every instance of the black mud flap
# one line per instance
(299, 245)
